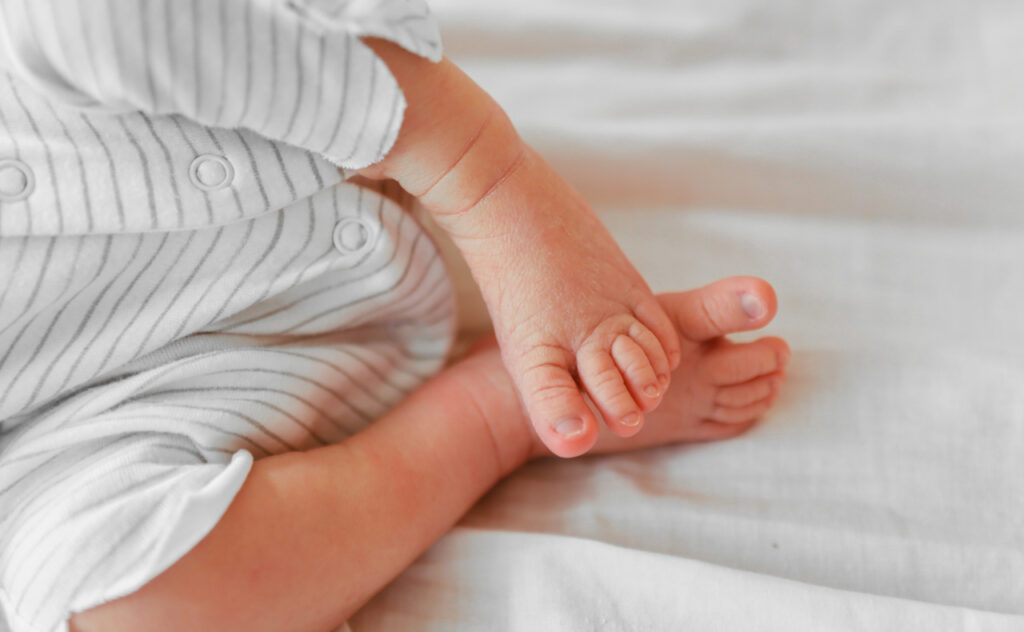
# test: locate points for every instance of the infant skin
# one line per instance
(571, 314)
(213, 412)
(567, 306)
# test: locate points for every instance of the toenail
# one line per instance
(752, 306)
(663, 380)
(632, 419)
(569, 428)
(652, 390)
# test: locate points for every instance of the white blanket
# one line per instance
(866, 157)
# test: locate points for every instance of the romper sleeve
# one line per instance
(95, 510)
(290, 70)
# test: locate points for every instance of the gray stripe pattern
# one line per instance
(287, 74)
(298, 345)
(173, 298)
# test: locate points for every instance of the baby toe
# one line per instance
(749, 392)
(658, 336)
(742, 414)
(557, 410)
(730, 364)
(726, 306)
(604, 383)
(638, 371)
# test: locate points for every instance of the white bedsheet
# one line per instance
(865, 156)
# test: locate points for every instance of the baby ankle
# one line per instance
(493, 402)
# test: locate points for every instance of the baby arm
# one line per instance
(571, 313)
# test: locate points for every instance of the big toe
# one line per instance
(730, 305)
(559, 414)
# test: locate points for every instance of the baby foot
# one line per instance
(719, 390)
(571, 314)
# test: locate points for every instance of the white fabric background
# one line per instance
(867, 157)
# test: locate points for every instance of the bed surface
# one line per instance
(865, 157)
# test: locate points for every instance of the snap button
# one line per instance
(210, 172)
(16, 180)
(353, 236)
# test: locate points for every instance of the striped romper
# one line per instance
(187, 283)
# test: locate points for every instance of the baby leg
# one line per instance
(571, 313)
